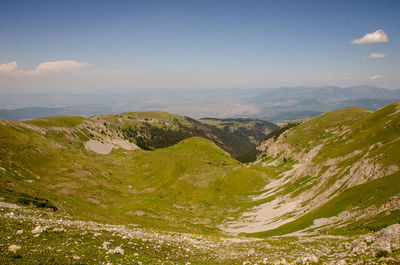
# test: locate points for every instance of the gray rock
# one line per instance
(38, 229)
(59, 229)
(369, 239)
(281, 262)
(385, 240)
(117, 250)
(14, 248)
(339, 262)
(359, 246)
(97, 234)
(309, 258)
(347, 246)
(251, 251)
(389, 235)
(325, 250)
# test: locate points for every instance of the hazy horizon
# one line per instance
(102, 47)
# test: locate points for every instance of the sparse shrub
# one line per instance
(38, 202)
(16, 256)
(382, 253)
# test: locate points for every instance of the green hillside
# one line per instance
(155, 129)
(354, 170)
(336, 175)
(313, 132)
(169, 187)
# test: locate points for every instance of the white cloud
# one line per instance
(373, 37)
(375, 56)
(59, 66)
(9, 68)
(375, 77)
(46, 67)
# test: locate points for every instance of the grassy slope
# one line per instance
(313, 132)
(155, 129)
(170, 188)
(191, 186)
(59, 121)
(365, 130)
(381, 127)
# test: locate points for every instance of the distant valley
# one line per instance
(155, 186)
(276, 105)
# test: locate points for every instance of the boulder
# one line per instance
(358, 246)
(281, 262)
(251, 251)
(117, 250)
(59, 229)
(14, 248)
(389, 236)
(309, 258)
(38, 229)
(336, 262)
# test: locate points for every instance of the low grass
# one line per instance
(312, 132)
(380, 129)
(58, 121)
(193, 185)
(168, 188)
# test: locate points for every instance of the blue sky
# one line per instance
(88, 46)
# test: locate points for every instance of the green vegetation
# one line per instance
(184, 180)
(152, 130)
(276, 133)
(378, 131)
(59, 121)
(167, 188)
(252, 130)
(312, 132)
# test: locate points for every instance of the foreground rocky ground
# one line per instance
(29, 235)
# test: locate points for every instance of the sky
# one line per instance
(109, 46)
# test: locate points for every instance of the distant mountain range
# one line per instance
(36, 112)
(289, 103)
(275, 105)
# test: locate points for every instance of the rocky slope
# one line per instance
(33, 236)
(345, 171)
